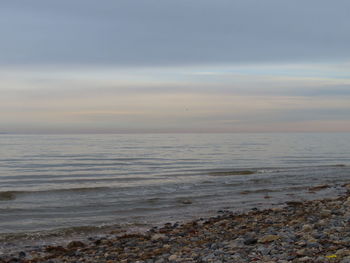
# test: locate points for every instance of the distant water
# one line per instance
(51, 182)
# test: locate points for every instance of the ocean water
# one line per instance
(63, 182)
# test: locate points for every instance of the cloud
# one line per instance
(195, 32)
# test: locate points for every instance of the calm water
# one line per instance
(50, 182)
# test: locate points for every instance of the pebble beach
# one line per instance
(174, 131)
(309, 231)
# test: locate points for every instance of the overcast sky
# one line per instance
(174, 66)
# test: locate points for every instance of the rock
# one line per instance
(234, 244)
(250, 241)
(75, 244)
(307, 228)
(294, 203)
(345, 260)
(157, 237)
(186, 202)
(56, 249)
(322, 222)
(325, 213)
(268, 238)
(304, 259)
(312, 244)
(263, 250)
(342, 252)
(318, 187)
(301, 252)
(172, 257)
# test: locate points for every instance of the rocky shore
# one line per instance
(311, 231)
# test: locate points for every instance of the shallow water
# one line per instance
(62, 182)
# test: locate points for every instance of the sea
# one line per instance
(81, 184)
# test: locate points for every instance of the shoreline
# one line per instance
(308, 231)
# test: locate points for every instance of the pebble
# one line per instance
(268, 238)
(157, 237)
(172, 257)
(250, 241)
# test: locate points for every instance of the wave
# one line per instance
(7, 195)
(12, 195)
(245, 192)
(61, 179)
(229, 173)
(60, 233)
(263, 170)
(267, 190)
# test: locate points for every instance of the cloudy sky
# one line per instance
(174, 66)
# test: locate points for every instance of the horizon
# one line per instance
(178, 133)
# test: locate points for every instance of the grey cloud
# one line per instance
(316, 114)
(281, 115)
(61, 89)
(168, 32)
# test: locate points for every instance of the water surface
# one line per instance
(50, 182)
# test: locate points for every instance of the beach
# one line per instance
(174, 131)
(309, 231)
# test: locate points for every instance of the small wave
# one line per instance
(184, 201)
(12, 195)
(153, 200)
(207, 182)
(260, 180)
(57, 233)
(266, 190)
(7, 196)
(257, 191)
(79, 189)
(229, 173)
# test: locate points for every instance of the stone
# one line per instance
(172, 257)
(345, 260)
(75, 244)
(301, 252)
(268, 238)
(294, 203)
(55, 249)
(343, 252)
(250, 241)
(304, 259)
(307, 228)
(325, 213)
(157, 237)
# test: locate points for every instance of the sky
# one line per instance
(130, 66)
